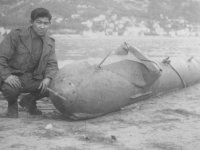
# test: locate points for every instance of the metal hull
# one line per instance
(85, 89)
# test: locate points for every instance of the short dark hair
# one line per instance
(40, 12)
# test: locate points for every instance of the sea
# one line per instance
(70, 49)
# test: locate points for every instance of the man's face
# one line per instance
(40, 25)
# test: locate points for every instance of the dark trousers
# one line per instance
(29, 85)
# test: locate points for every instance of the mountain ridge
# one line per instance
(72, 14)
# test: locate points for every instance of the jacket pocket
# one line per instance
(20, 58)
(22, 49)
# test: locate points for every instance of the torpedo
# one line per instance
(94, 87)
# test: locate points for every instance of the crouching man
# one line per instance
(27, 63)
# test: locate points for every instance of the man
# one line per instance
(28, 63)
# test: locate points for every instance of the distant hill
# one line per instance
(76, 15)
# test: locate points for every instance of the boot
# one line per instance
(25, 101)
(33, 109)
(12, 111)
(29, 102)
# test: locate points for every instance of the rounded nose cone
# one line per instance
(66, 94)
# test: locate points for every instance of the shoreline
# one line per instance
(67, 36)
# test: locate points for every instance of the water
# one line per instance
(71, 49)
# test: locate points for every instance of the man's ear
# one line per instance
(31, 21)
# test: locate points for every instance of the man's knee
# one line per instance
(10, 93)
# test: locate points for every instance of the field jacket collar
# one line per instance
(26, 38)
(25, 35)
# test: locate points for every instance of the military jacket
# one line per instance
(15, 51)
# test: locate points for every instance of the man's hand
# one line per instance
(13, 81)
(44, 84)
